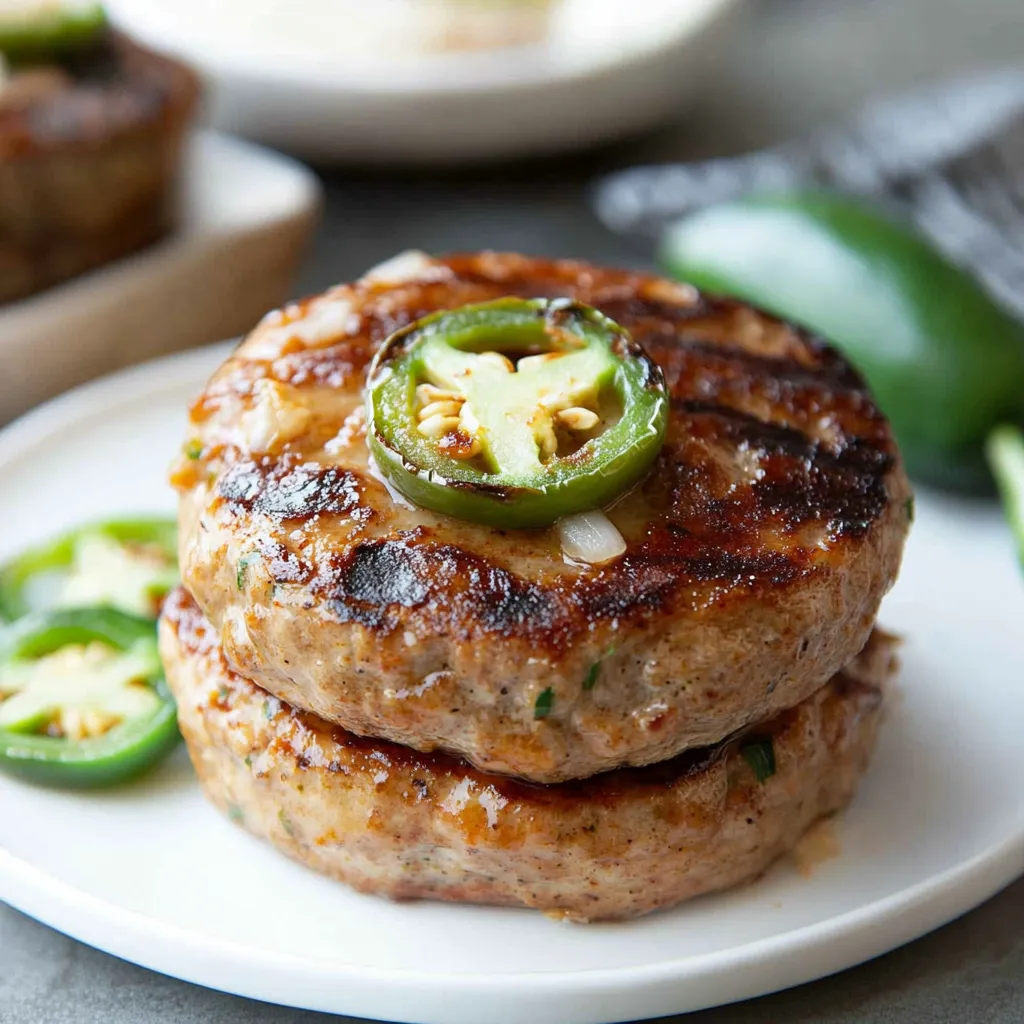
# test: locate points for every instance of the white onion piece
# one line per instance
(590, 537)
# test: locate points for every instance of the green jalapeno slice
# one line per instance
(83, 699)
(514, 413)
(129, 564)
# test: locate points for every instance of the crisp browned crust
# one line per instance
(388, 820)
(758, 548)
(89, 153)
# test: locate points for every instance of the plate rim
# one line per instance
(838, 942)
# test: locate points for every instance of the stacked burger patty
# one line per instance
(422, 706)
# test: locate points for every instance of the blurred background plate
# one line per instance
(307, 78)
(246, 214)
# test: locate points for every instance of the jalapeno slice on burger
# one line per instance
(83, 699)
(514, 413)
(129, 564)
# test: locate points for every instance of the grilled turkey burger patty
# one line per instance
(757, 550)
(386, 819)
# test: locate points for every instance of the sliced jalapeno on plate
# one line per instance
(128, 564)
(83, 699)
(515, 413)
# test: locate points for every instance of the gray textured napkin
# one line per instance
(952, 157)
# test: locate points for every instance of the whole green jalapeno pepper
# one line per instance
(516, 412)
(128, 564)
(83, 699)
(945, 362)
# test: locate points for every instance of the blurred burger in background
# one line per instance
(91, 131)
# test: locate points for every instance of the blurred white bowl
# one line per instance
(246, 215)
(284, 74)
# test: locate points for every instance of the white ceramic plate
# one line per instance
(280, 71)
(246, 214)
(152, 874)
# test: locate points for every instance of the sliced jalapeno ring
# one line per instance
(129, 564)
(83, 699)
(514, 413)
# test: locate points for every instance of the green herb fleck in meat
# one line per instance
(542, 708)
(759, 753)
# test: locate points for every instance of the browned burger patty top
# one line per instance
(393, 821)
(758, 549)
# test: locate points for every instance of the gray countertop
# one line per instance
(794, 63)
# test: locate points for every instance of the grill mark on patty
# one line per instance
(293, 491)
(634, 308)
(297, 732)
(681, 353)
(799, 479)
(740, 426)
(371, 582)
(648, 576)
(382, 584)
(845, 496)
